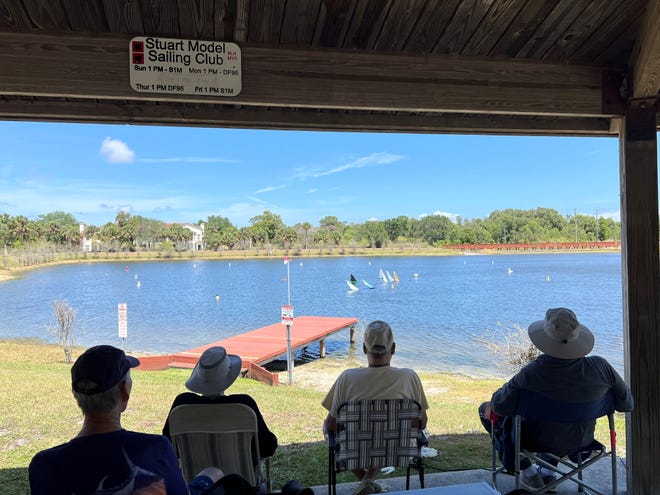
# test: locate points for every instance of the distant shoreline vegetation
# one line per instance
(59, 237)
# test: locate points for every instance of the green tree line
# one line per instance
(267, 230)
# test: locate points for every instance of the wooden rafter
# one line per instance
(645, 60)
(76, 66)
(192, 114)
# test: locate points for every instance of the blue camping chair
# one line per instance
(571, 464)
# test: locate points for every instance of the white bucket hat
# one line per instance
(214, 372)
(561, 335)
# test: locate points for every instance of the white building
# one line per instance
(197, 241)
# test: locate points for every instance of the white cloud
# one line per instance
(366, 161)
(116, 151)
(614, 215)
(257, 200)
(451, 216)
(311, 191)
(268, 189)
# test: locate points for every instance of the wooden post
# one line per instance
(352, 336)
(322, 348)
(641, 308)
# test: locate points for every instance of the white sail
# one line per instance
(351, 286)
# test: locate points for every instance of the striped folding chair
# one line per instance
(376, 434)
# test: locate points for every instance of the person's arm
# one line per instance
(41, 476)
(505, 400)
(330, 424)
(623, 398)
(267, 439)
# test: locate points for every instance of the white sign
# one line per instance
(122, 318)
(287, 315)
(187, 67)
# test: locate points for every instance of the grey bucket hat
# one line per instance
(214, 372)
(561, 335)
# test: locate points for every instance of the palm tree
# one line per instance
(306, 226)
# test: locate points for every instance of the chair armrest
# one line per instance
(331, 439)
(423, 441)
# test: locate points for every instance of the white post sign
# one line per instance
(287, 315)
(122, 318)
(187, 67)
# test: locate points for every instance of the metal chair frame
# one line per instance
(533, 406)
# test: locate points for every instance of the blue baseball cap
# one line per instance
(100, 368)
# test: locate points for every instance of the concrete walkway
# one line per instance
(598, 475)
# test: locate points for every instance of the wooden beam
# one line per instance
(641, 303)
(645, 59)
(192, 114)
(75, 66)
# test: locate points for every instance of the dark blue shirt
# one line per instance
(584, 379)
(117, 462)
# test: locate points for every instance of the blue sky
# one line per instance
(186, 174)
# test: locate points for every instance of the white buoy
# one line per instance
(547, 279)
(416, 275)
(139, 284)
(509, 271)
(217, 298)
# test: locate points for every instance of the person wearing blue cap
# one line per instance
(104, 457)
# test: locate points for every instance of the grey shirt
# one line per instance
(584, 379)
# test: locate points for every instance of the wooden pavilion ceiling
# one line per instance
(494, 66)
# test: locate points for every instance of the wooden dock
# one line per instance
(261, 346)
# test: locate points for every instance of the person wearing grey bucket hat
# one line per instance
(564, 372)
(213, 374)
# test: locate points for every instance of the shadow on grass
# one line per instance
(308, 462)
(14, 481)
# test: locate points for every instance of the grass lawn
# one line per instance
(37, 411)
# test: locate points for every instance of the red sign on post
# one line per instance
(287, 315)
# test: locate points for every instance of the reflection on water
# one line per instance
(436, 315)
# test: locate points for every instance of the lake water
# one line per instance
(437, 316)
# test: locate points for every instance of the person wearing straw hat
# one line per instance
(562, 372)
(104, 457)
(211, 377)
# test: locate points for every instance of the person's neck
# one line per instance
(100, 423)
(378, 365)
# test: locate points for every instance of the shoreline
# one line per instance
(14, 272)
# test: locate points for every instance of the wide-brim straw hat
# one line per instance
(561, 335)
(214, 372)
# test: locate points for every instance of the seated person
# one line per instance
(563, 372)
(103, 457)
(213, 374)
(378, 381)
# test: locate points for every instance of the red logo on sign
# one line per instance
(138, 58)
(138, 46)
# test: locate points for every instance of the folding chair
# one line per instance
(376, 434)
(218, 435)
(537, 407)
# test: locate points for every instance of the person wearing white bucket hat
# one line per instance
(212, 376)
(562, 372)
